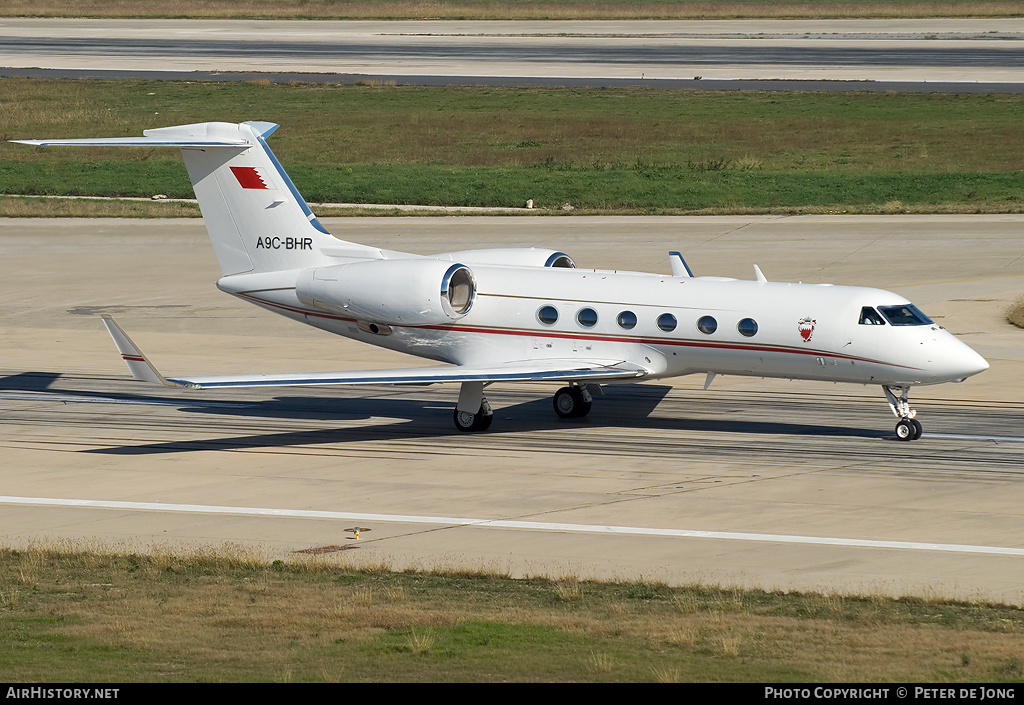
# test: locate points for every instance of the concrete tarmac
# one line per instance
(960, 50)
(762, 483)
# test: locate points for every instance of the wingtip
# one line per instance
(138, 364)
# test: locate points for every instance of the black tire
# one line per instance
(464, 421)
(484, 421)
(567, 402)
(917, 429)
(905, 430)
(472, 423)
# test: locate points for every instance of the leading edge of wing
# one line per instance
(520, 371)
(531, 371)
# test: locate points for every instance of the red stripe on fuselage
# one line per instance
(522, 332)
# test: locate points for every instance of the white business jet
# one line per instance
(527, 314)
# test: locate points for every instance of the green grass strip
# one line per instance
(640, 189)
(631, 150)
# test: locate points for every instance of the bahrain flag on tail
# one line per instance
(252, 177)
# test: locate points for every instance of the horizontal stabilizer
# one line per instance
(257, 219)
(136, 142)
(200, 135)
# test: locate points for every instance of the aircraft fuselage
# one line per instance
(671, 326)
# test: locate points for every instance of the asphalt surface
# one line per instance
(636, 54)
(967, 441)
(773, 484)
(967, 55)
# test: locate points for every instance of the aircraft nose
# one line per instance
(961, 362)
(974, 363)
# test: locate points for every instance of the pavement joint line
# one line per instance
(514, 524)
(965, 437)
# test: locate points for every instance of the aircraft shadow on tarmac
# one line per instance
(29, 382)
(626, 406)
(409, 418)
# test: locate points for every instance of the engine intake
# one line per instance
(395, 292)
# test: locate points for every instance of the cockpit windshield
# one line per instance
(870, 317)
(905, 315)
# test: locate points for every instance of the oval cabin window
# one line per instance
(547, 315)
(747, 327)
(707, 325)
(587, 317)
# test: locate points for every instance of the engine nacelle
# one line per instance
(512, 257)
(396, 292)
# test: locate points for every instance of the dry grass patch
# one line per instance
(568, 590)
(1015, 312)
(15, 207)
(243, 616)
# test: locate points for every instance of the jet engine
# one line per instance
(512, 257)
(396, 292)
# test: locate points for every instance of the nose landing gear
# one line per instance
(908, 428)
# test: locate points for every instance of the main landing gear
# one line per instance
(473, 414)
(572, 402)
(908, 428)
(471, 423)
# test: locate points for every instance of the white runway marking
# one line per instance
(512, 524)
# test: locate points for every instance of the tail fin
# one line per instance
(256, 218)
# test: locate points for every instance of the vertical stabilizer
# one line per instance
(256, 218)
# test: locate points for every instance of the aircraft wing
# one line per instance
(526, 371)
(519, 371)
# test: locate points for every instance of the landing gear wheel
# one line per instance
(905, 429)
(472, 423)
(571, 403)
